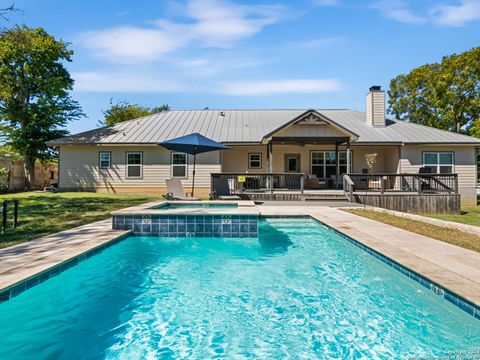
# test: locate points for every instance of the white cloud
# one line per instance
(442, 15)
(317, 43)
(326, 2)
(398, 10)
(450, 15)
(283, 86)
(210, 23)
(128, 82)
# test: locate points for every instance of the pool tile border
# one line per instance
(199, 225)
(20, 287)
(438, 289)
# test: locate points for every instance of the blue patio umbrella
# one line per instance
(193, 144)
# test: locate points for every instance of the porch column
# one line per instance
(270, 166)
(349, 165)
(270, 159)
(337, 166)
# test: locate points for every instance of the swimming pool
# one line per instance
(195, 205)
(299, 289)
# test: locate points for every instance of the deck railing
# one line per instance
(262, 182)
(412, 183)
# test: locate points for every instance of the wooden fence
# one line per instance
(44, 173)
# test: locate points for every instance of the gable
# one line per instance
(312, 124)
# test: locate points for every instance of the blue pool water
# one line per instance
(297, 291)
(196, 205)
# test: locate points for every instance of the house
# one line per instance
(127, 158)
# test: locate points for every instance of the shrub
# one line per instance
(3, 179)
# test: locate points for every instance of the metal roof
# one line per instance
(251, 126)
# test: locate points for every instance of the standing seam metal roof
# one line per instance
(250, 126)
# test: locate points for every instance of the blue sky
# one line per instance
(247, 54)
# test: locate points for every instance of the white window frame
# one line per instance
(438, 165)
(325, 165)
(127, 165)
(172, 165)
(100, 153)
(250, 161)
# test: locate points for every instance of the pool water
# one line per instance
(196, 205)
(298, 291)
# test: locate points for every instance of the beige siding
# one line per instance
(375, 108)
(236, 159)
(387, 158)
(309, 130)
(79, 168)
(465, 166)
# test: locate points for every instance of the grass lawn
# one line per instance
(469, 215)
(451, 236)
(46, 213)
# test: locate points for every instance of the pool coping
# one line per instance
(18, 273)
(438, 289)
(438, 276)
(245, 207)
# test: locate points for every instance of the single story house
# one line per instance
(126, 158)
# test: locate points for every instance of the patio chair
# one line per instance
(221, 190)
(337, 181)
(176, 192)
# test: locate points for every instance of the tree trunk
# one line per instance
(29, 170)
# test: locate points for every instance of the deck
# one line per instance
(413, 193)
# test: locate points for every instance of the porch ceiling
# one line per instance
(309, 140)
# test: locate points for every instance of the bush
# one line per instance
(3, 180)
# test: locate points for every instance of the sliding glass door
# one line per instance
(323, 163)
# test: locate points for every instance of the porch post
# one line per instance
(270, 167)
(337, 166)
(269, 154)
(349, 165)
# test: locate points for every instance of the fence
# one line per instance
(15, 177)
(411, 183)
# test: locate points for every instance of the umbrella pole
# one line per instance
(193, 180)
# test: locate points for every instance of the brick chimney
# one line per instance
(376, 107)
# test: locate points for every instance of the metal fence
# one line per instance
(412, 183)
(262, 182)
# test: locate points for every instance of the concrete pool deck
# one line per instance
(452, 267)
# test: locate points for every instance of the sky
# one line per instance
(238, 54)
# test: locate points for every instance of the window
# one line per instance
(324, 164)
(254, 161)
(105, 159)
(179, 165)
(134, 164)
(438, 162)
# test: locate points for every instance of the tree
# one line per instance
(444, 95)
(35, 104)
(123, 111)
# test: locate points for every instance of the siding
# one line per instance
(311, 130)
(236, 159)
(465, 166)
(79, 168)
(376, 108)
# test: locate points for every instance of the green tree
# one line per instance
(123, 111)
(444, 95)
(35, 104)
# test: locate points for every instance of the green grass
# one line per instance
(451, 236)
(42, 214)
(469, 216)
